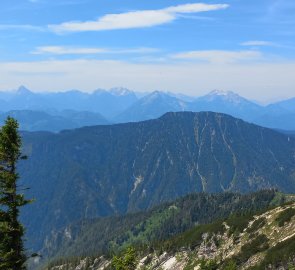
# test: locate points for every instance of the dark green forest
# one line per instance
(146, 230)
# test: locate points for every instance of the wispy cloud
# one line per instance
(62, 50)
(27, 27)
(219, 56)
(135, 19)
(258, 43)
(58, 50)
(59, 3)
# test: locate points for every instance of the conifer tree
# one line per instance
(12, 256)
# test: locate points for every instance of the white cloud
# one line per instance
(195, 8)
(219, 56)
(253, 80)
(27, 27)
(135, 19)
(258, 43)
(61, 50)
(66, 50)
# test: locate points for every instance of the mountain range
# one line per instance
(54, 121)
(108, 103)
(114, 169)
(120, 105)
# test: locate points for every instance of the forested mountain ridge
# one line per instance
(261, 241)
(54, 121)
(112, 234)
(106, 170)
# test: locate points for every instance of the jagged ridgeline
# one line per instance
(106, 170)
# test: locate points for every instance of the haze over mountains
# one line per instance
(114, 169)
(92, 155)
(120, 105)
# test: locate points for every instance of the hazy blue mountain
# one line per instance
(183, 97)
(122, 105)
(152, 106)
(111, 103)
(38, 120)
(108, 103)
(157, 103)
(227, 102)
(285, 105)
(287, 132)
(278, 115)
(284, 121)
(106, 170)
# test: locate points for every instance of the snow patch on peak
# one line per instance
(153, 96)
(222, 93)
(156, 93)
(225, 95)
(120, 91)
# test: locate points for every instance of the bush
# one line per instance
(282, 253)
(238, 223)
(257, 224)
(231, 265)
(260, 243)
(127, 261)
(285, 216)
(209, 265)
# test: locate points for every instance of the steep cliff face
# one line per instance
(105, 170)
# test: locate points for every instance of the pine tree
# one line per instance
(12, 256)
(127, 261)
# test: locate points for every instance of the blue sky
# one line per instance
(246, 46)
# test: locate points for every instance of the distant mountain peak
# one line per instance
(120, 91)
(155, 95)
(225, 95)
(23, 90)
(222, 93)
(99, 91)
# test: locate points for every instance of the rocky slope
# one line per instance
(113, 234)
(262, 241)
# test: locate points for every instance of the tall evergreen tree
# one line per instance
(12, 256)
